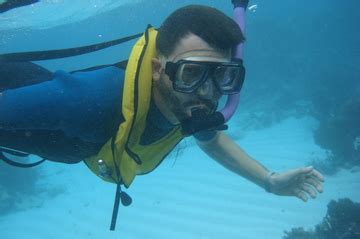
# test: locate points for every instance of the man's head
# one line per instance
(189, 37)
(218, 30)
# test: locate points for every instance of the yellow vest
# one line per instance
(122, 154)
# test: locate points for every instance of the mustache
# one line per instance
(209, 104)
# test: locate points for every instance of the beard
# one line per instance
(182, 109)
(172, 101)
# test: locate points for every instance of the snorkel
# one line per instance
(239, 17)
(202, 121)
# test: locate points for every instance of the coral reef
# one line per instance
(342, 221)
(340, 134)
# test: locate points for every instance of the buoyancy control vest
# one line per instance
(123, 156)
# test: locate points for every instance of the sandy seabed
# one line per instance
(189, 196)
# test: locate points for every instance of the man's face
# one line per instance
(177, 106)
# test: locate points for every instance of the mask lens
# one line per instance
(228, 78)
(189, 75)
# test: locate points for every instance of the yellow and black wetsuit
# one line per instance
(102, 114)
(125, 154)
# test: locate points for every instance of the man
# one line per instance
(122, 124)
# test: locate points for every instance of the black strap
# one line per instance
(14, 152)
(120, 64)
(116, 207)
(118, 187)
(11, 4)
(19, 165)
(62, 53)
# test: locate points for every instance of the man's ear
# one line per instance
(156, 68)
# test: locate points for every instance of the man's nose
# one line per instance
(206, 89)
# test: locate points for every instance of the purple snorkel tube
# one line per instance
(239, 16)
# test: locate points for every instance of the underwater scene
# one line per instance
(88, 150)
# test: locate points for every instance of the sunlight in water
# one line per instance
(51, 13)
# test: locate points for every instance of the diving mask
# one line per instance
(188, 75)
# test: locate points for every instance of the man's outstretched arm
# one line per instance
(301, 182)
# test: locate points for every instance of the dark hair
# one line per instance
(210, 24)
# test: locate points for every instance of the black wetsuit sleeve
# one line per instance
(81, 104)
(85, 106)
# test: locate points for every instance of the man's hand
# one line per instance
(301, 183)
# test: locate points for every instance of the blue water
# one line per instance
(300, 104)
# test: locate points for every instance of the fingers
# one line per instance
(312, 177)
(301, 195)
(307, 170)
(315, 179)
(310, 171)
(316, 174)
(315, 183)
(309, 190)
(302, 183)
(313, 172)
(304, 191)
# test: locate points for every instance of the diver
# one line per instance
(124, 122)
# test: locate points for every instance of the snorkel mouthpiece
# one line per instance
(201, 120)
